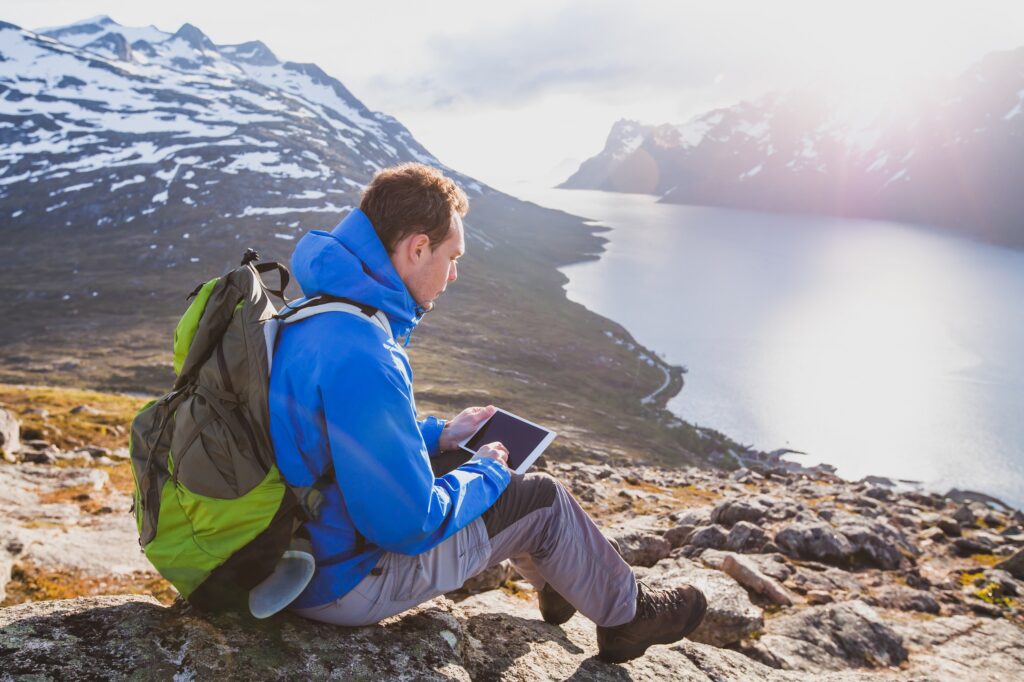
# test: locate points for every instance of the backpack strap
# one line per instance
(310, 497)
(327, 304)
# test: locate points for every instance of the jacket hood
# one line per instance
(351, 261)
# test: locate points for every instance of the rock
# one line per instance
(908, 599)
(973, 545)
(85, 409)
(732, 511)
(815, 597)
(490, 636)
(949, 526)
(692, 516)
(731, 616)
(745, 537)
(831, 637)
(642, 549)
(933, 534)
(876, 543)
(964, 648)
(489, 579)
(677, 535)
(10, 441)
(1004, 581)
(1014, 565)
(812, 576)
(746, 573)
(879, 493)
(122, 636)
(815, 541)
(707, 536)
(965, 516)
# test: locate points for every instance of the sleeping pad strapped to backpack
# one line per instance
(215, 517)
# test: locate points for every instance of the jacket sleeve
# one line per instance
(430, 429)
(382, 464)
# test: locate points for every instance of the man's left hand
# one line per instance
(464, 425)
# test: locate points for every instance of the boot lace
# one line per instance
(654, 602)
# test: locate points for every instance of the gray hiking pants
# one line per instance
(536, 524)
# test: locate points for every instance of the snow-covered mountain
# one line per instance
(135, 119)
(949, 154)
(135, 163)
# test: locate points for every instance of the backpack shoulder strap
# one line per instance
(316, 307)
(296, 312)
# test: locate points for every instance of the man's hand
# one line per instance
(464, 425)
(495, 451)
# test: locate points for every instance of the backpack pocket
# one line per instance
(212, 450)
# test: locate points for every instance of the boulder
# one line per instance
(746, 573)
(908, 599)
(490, 636)
(124, 636)
(1014, 565)
(814, 541)
(876, 543)
(490, 578)
(732, 511)
(830, 637)
(10, 441)
(977, 544)
(949, 526)
(707, 536)
(745, 537)
(731, 616)
(963, 648)
(641, 549)
(965, 516)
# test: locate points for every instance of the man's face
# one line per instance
(429, 275)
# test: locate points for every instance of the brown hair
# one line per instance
(412, 199)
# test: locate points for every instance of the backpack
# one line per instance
(214, 514)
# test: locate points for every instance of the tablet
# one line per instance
(525, 440)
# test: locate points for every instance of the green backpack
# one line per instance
(215, 516)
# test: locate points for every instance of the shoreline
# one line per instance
(661, 396)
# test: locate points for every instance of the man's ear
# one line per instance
(419, 244)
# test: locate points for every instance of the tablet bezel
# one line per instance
(532, 457)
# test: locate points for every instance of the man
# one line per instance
(390, 535)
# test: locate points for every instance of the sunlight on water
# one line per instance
(877, 347)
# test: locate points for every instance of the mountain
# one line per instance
(948, 154)
(135, 163)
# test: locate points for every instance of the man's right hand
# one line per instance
(495, 451)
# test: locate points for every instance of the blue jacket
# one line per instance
(341, 392)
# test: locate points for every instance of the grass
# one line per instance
(107, 428)
(33, 583)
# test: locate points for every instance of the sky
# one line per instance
(523, 92)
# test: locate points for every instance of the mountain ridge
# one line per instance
(945, 154)
(126, 177)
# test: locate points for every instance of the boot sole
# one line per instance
(695, 619)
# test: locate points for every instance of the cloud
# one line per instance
(592, 48)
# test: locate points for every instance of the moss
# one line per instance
(986, 559)
(968, 577)
(991, 593)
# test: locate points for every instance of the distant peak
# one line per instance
(83, 26)
(194, 37)
(99, 20)
(253, 52)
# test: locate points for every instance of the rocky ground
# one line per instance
(807, 577)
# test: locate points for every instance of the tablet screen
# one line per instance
(519, 437)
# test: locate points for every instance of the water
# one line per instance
(877, 347)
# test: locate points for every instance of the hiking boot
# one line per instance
(554, 608)
(662, 617)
